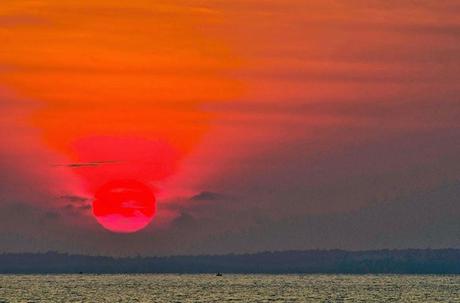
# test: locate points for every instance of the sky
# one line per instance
(253, 125)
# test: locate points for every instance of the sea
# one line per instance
(229, 288)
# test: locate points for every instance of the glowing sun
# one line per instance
(124, 206)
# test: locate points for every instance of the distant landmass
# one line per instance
(410, 261)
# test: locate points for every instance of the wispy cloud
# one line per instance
(88, 164)
(74, 198)
(207, 196)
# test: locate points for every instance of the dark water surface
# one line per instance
(229, 288)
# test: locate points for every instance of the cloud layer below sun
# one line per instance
(258, 125)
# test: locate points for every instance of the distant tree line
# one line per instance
(410, 261)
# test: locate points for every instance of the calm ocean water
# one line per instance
(229, 288)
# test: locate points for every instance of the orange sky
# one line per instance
(148, 70)
(191, 94)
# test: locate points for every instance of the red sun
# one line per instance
(124, 206)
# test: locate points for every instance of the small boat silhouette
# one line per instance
(218, 274)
